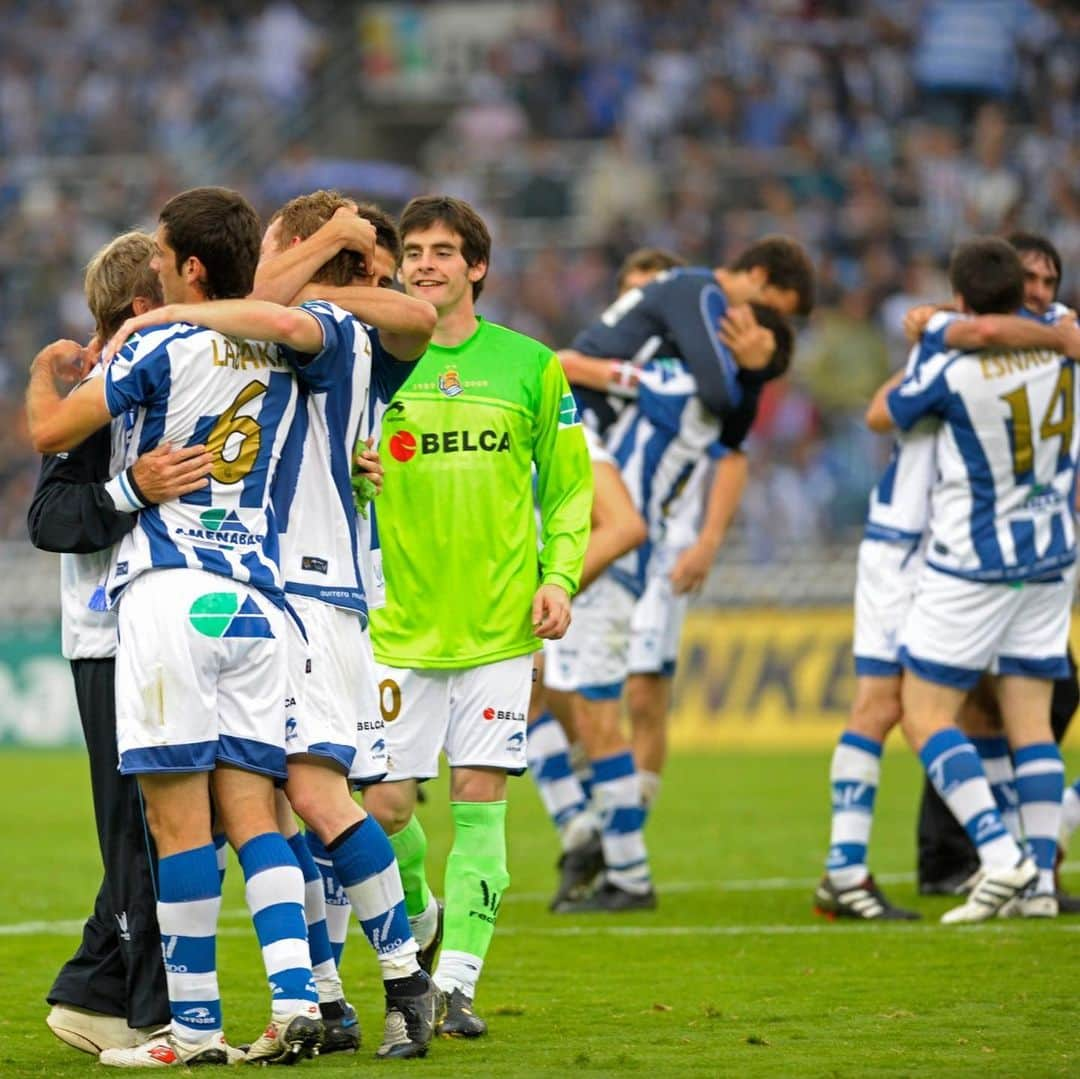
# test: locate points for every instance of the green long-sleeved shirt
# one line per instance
(457, 524)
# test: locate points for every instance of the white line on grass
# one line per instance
(67, 927)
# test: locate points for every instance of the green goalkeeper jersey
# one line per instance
(457, 520)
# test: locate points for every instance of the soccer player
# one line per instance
(468, 595)
(333, 727)
(998, 574)
(200, 661)
(946, 857)
(890, 559)
(111, 993)
(658, 441)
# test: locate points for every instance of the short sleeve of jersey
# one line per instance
(140, 373)
(323, 370)
(388, 374)
(933, 338)
(924, 392)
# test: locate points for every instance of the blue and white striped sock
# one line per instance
(365, 865)
(1070, 813)
(854, 774)
(221, 849)
(998, 765)
(338, 909)
(617, 793)
(189, 901)
(549, 765)
(274, 891)
(954, 768)
(1040, 785)
(323, 968)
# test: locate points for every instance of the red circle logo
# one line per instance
(402, 446)
(489, 713)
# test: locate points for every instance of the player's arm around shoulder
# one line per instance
(564, 491)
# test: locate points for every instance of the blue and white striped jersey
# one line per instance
(188, 385)
(321, 541)
(900, 501)
(1001, 505)
(658, 441)
(388, 375)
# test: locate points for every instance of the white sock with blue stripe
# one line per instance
(274, 891)
(998, 765)
(364, 863)
(854, 774)
(1070, 814)
(1040, 785)
(954, 768)
(189, 901)
(617, 794)
(560, 790)
(338, 908)
(323, 968)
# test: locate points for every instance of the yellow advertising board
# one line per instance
(779, 677)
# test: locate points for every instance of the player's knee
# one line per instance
(391, 807)
(876, 709)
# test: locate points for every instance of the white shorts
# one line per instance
(476, 715)
(657, 622)
(593, 659)
(885, 580)
(957, 629)
(332, 705)
(200, 675)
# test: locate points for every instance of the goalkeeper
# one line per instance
(468, 594)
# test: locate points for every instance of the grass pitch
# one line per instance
(731, 976)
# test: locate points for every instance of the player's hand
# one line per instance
(691, 568)
(67, 361)
(916, 319)
(370, 463)
(159, 316)
(357, 233)
(751, 343)
(551, 612)
(163, 473)
(1070, 332)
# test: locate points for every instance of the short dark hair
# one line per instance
(386, 232)
(303, 216)
(458, 216)
(988, 274)
(221, 229)
(786, 265)
(771, 319)
(1030, 242)
(647, 260)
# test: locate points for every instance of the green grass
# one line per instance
(731, 976)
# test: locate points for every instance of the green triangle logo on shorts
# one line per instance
(568, 415)
(212, 613)
(221, 614)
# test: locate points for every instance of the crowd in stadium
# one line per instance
(268, 657)
(630, 124)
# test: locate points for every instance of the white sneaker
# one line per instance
(165, 1050)
(1036, 905)
(91, 1032)
(993, 889)
(285, 1041)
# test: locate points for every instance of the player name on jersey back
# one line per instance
(187, 385)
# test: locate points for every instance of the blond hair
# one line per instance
(115, 276)
(303, 217)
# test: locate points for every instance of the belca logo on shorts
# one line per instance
(221, 614)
